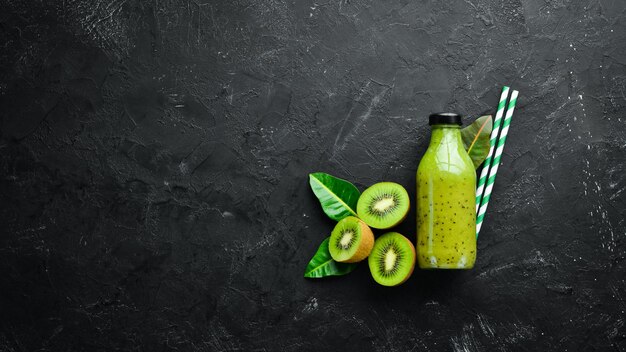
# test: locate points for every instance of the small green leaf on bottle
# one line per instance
(476, 139)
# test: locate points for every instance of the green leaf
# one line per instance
(476, 139)
(322, 264)
(338, 197)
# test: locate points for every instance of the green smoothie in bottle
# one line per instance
(446, 186)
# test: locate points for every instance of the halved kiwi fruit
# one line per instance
(383, 205)
(392, 260)
(351, 240)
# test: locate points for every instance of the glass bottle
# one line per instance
(446, 186)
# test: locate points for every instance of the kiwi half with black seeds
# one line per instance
(351, 240)
(392, 259)
(383, 205)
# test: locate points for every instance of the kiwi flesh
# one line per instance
(383, 205)
(392, 259)
(351, 240)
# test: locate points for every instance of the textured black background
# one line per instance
(154, 161)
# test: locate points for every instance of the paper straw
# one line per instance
(492, 146)
(496, 162)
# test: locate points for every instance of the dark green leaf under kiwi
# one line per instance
(322, 264)
(476, 139)
(338, 197)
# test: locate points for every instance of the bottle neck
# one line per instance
(446, 134)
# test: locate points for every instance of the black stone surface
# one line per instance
(154, 159)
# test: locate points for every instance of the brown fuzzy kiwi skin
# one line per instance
(414, 260)
(366, 245)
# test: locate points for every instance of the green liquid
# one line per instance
(446, 213)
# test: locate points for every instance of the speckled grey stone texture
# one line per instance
(154, 159)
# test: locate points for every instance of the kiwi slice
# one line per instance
(392, 260)
(383, 205)
(351, 240)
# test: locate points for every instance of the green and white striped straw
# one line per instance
(492, 146)
(495, 162)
